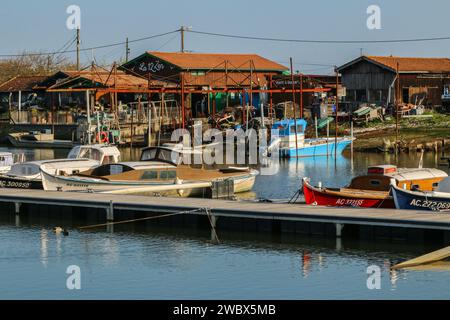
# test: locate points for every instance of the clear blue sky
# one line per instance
(40, 25)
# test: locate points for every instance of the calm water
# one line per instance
(145, 262)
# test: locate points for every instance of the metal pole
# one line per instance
(293, 102)
(337, 111)
(88, 111)
(301, 95)
(328, 137)
(317, 129)
(271, 95)
(149, 124)
(20, 105)
(183, 111)
(78, 49)
(250, 93)
(396, 108)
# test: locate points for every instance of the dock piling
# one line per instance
(339, 228)
(110, 212)
(17, 206)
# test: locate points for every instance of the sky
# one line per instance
(41, 26)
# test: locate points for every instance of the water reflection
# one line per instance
(44, 247)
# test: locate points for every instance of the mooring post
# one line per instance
(17, 206)
(213, 221)
(110, 212)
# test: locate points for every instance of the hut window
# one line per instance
(375, 182)
(436, 184)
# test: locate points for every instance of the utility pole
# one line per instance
(127, 51)
(78, 49)
(182, 29)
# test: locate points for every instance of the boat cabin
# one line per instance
(102, 153)
(132, 171)
(167, 155)
(444, 186)
(287, 129)
(378, 178)
(58, 167)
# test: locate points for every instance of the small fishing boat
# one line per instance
(159, 171)
(40, 140)
(6, 161)
(27, 175)
(293, 143)
(435, 200)
(373, 190)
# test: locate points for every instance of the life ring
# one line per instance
(102, 137)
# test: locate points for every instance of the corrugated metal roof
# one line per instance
(207, 61)
(22, 83)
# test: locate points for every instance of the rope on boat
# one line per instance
(297, 195)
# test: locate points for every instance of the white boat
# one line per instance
(27, 175)
(159, 172)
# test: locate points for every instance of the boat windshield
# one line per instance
(161, 154)
(85, 153)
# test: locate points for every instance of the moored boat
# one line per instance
(159, 171)
(436, 200)
(40, 140)
(373, 190)
(293, 143)
(27, 175)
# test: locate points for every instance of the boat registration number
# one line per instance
(350, 202)
(433, 205)
(15, 184)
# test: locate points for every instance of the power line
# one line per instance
(91, 48)
(317, 41)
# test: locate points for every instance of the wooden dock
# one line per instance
(285, 217)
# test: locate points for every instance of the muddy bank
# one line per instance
(409, 140)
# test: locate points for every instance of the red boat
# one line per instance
(373, 190)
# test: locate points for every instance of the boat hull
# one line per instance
(55, 144)
(51, 182)
(314, 150)
(315, 196)
(417, 200)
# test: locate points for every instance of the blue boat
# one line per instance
(437, 201)
(306, 147)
